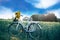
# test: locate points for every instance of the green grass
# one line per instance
(50, 31)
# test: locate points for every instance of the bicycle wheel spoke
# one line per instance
(14, 29)
(34, 34)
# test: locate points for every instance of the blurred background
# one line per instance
(47, 12)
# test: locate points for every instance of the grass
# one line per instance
(50, 31)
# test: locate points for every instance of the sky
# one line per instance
(28, 7)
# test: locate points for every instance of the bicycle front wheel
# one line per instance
(15, 29)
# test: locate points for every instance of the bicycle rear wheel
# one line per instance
(34, 31)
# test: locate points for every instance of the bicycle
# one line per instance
(32, 29)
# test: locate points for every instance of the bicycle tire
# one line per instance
(12, 29)
(34, 34)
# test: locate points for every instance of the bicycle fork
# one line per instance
(17, 26)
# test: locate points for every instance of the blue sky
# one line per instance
(29, 7)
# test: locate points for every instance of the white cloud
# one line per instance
(56, 12)
(43, 3)
(6, 13)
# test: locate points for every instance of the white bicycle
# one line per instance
(33, 29)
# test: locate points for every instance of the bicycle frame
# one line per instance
(26, 27)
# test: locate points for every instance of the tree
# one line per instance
(44, 17)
